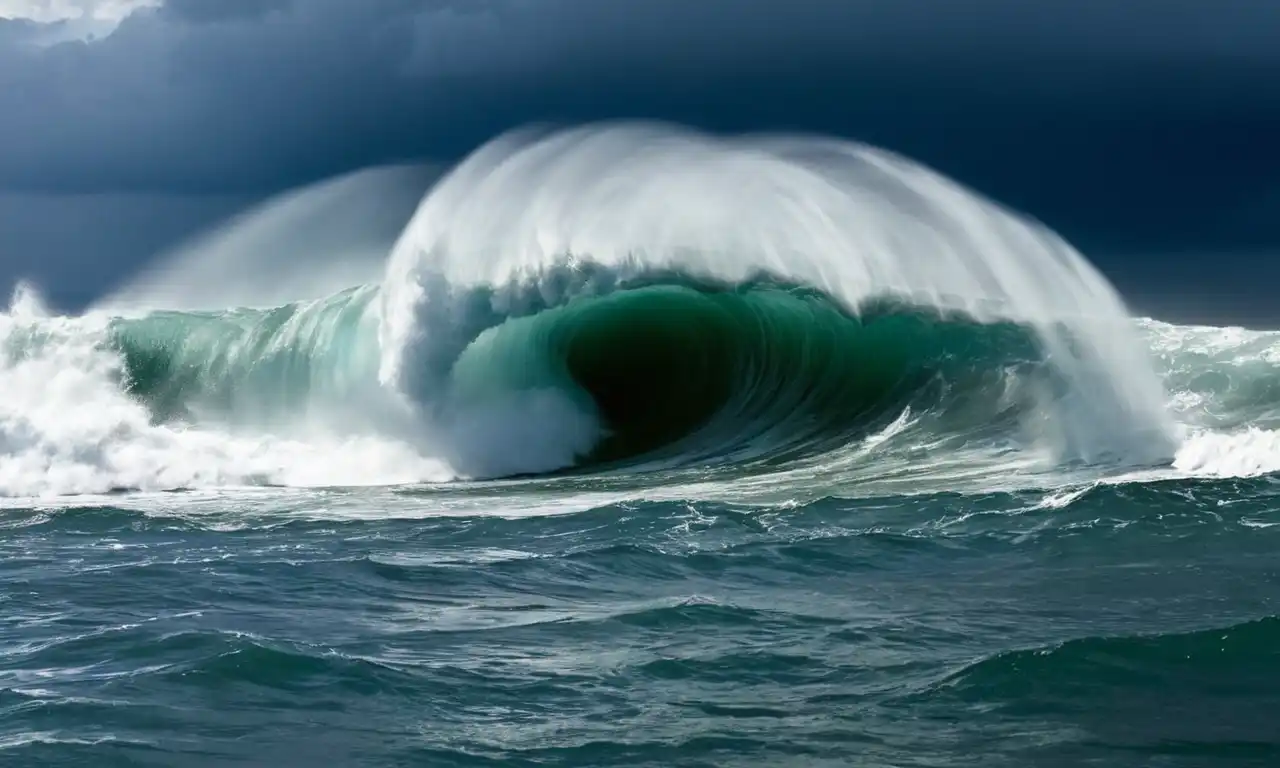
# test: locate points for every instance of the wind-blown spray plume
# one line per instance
(536, 222)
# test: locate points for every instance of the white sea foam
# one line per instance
(67, 427)
(1245, 453)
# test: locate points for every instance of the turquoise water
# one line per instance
(1132, 625)
(675, 371)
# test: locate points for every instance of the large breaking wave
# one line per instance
(618, 299)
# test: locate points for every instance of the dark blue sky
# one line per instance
(1145, 131)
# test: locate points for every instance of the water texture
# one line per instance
(644, 448)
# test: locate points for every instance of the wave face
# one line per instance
(658, 370)
(678, 372)
(815, 316)
(531, 223)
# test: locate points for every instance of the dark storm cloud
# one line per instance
(212, 95)
(1126, 123)
(189, 101)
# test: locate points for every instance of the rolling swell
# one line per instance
(1212, 689)
(1238, 659)
(668, 368)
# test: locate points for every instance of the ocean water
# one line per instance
(642, 448)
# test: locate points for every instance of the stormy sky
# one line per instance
(1145, 131)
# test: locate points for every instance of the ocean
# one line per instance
(642, 448)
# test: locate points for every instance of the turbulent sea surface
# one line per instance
(642, 448)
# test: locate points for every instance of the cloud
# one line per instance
(730, 31)
(49, 11)
(63, 21)
(1139, 120)
(189, 99)
(254, 93)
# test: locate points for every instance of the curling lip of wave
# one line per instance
(854, 223)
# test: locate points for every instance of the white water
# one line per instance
(66, 427)
(851, 220)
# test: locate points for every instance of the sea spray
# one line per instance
(856, 223)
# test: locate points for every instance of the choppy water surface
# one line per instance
(1131, 625)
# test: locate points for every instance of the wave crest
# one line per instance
(531, 221)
